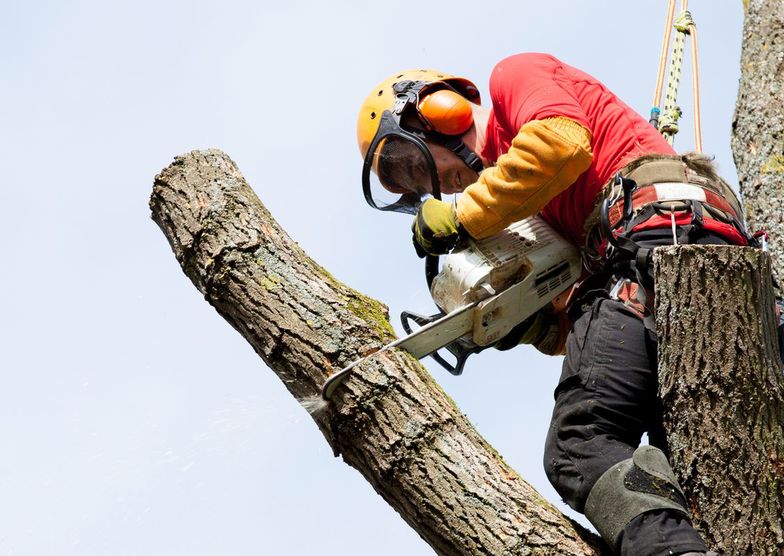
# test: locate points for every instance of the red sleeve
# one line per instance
(533, 86)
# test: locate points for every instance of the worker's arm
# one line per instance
(545, 158)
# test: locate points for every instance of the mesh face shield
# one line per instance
(401, 166)
(399, 171)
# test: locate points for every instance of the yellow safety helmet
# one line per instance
(394, 121)
(383, 97)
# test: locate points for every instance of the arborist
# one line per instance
(557, 142)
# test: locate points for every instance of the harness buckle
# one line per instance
(762, 238)
(617, 287)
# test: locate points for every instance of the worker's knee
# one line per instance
(564, 478)
(573, 467)
(551, 466)
(575, 458)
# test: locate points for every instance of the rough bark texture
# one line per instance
(758, 127)
(390, 421)
(722, 389)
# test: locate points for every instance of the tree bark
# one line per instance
(722, 390)
(390, 420)
(758, 126)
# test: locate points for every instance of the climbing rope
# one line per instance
(695, 85)
(657, 95)
(665, 118)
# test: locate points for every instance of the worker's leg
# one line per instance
(605, 400)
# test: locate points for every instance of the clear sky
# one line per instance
(133, 419)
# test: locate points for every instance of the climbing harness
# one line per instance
(634, 217)
(665, 118)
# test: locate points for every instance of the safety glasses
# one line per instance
(399, 171)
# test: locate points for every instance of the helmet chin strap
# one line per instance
(469, 157)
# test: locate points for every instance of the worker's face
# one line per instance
(402, 166)
(453, 174)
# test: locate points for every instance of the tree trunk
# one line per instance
(758, 127)
(390, 420)
(722, 390)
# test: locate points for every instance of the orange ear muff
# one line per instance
(447, 112)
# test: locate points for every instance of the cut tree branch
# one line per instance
(389, 420)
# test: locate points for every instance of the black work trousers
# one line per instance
(604, 402)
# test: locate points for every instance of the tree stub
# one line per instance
(722, 392)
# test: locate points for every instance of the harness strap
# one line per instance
(672, 191)
(707, 210)
(682, 194)
(686, 169)
(623, 255)
(627, 291)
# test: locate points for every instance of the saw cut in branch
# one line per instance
(389, 419)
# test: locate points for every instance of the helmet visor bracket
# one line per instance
(399, 170)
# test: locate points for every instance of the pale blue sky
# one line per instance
(133, 419)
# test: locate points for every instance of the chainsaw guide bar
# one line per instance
(485, 289)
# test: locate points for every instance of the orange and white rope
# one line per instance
(665, 118)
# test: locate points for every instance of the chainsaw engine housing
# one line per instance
(528, 255)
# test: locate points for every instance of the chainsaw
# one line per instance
(482, 290)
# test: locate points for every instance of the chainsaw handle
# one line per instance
(431, 261)
(460, 352)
